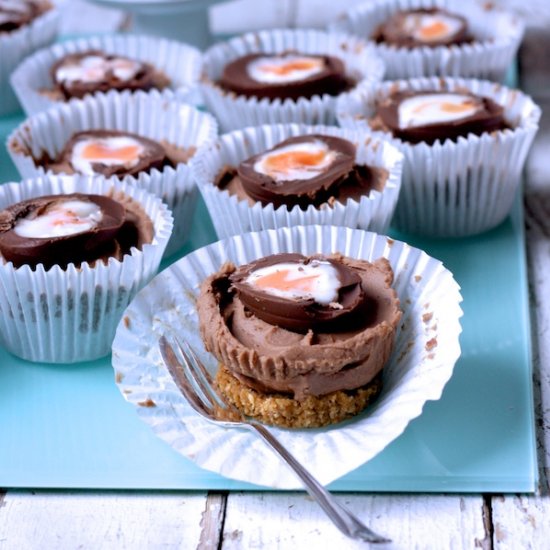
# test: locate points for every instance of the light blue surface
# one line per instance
(69, 427)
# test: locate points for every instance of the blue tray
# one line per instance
(68, 426)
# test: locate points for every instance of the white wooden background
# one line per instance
(143, 520)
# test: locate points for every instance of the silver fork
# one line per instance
(195, 383)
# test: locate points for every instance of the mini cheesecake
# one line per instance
(428, 116)
(113, 153)
(301, 340)
(72, 228)
(423, 27)
(78, 74)
(17, 13)
(289, 75)
(304, 170)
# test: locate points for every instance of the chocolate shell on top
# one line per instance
(288, 75)
(300, 293)
(300, 171)
(428, 116)
(423, 27)
(62, 229)
(78, 74)
(112, 153)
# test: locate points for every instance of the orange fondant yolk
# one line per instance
(436, 30)
(67, 217)
(446, 107)
(290, 67)
(279, 280)
(100, 151)
(292, 160)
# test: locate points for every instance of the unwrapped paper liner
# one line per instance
(422, 361)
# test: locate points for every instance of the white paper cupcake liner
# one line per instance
(180, 62)
(17, 45)
(235, 112)
(147, 114)
(231, 215)
(66, 316)
(499, 35)
(455, 188)
(422, 361)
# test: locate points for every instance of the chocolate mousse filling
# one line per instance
(243, 78)
(153, 155)
(404, 29)
(107, 74)
(341, 179)
(123, 225)
(314, 357)
(488, 117)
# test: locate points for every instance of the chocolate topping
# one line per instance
(303, 192)
(152, 156)
(145, 78)
(331, 80)
(16, 13)
(394, 31)
(113, 235)
(302, 315)
(489, 117)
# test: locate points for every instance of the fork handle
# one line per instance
(339, 514)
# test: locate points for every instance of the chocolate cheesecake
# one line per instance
(428, 116)
(79, 74)
(288, 75)
(301, 341)
(72, 228)
(423, 27)
(15, 14)
(114, 153)
(303, 170)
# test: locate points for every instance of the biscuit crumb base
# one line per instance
(281, 410)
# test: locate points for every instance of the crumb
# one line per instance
(431, 344)
(149, 403)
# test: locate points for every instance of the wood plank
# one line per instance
(294, 520)
(133, 521)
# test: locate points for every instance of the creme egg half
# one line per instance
(60, 219)
(428, 27)
(288, 68)
(425, 109)
(317, 280)
(94, 68)
(296, 161)
(109, 151)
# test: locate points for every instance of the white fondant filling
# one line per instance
(85, 165)
(426, 109)
(417, 24)
(317, 280)
(63, 219)
(258, 69)
(297, 171)
(94, 68)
